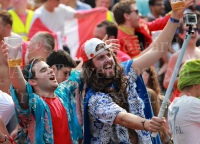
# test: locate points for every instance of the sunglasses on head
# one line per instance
(30, 69)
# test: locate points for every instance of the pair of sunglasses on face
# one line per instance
(159, 4)
(194, 29)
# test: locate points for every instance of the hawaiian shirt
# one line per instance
(36, 121)
(71, 92)
(103, 111)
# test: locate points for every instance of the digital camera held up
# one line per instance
(190, 19)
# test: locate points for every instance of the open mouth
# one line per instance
(108, 66)
(52, 77)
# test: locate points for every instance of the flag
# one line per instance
(37, 26)
(78, 31)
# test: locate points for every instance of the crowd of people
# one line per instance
(111, 90)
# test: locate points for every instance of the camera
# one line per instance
(190, 18)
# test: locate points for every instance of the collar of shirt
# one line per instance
(127, 29)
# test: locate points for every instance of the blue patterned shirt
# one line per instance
(36, 121)
(102, 111)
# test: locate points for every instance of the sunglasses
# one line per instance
(194, 29)
(159, 4)
(136, 11)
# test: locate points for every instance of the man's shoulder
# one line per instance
(39, 10)
(65, 10)
(96, 95)
(184, 100)
(63, 7)
(99, 98)
(124, 30)
(175, 55)
(197, 50)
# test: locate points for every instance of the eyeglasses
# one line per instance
(159, 4)
(194, 29)
(136, 11)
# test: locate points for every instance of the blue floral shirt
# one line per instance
(102, 111)
(36, 121)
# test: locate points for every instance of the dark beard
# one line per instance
(103, 76)
(108, 79)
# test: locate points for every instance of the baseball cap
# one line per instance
(88, 49)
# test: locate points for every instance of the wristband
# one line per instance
(143, 124)
(174, 20)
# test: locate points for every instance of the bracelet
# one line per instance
(143, 125)
(4, 140)
(174, 20)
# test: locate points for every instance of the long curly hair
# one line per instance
(119, 94)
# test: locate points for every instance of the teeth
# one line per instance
(108, 66)
(52, 77)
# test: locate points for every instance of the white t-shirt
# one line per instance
(7, 109)
(184, 120)
(55, 20)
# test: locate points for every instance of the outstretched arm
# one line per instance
(161, 45)
(159, 23)
(135, 122)
(17, 79)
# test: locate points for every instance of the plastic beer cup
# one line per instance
(177, 4)
(14, 50)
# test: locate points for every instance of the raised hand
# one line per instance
(177, 13)
(113, 42)
(4, 49)
(16, 51)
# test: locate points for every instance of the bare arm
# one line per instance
(161, 45)
(17, 80)
(3, 131)
(135, 122)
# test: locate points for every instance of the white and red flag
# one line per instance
(76, 31)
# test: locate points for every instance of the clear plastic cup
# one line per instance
(14, 50)
(177, 4)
